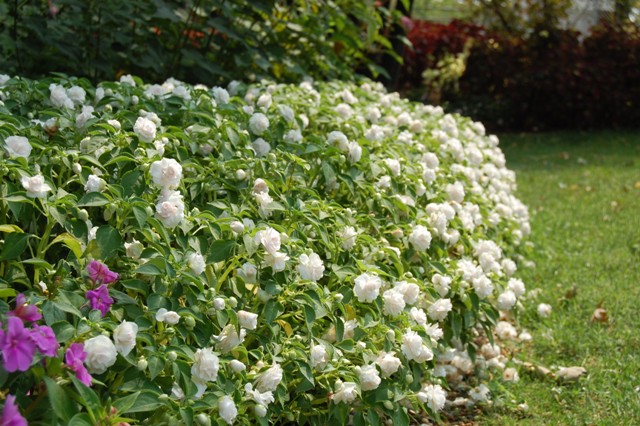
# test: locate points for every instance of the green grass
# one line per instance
(583, 193)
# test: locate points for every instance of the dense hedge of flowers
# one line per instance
(192, 255)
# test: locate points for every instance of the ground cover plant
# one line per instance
(583, 192)
(273, 253)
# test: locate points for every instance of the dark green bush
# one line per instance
(199, 41)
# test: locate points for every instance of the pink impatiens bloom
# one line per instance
(100, 299)
(74, 359)
(27, 313)
(100, 273)
(17, 346)
(45, 340)
(10, 414)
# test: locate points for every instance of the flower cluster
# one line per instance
(284, 253)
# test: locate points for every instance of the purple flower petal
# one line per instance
(100, 273)
(27, 313)
(10, 414)
(100, 299)
(74, 358)
(45, 339)
(17, 346)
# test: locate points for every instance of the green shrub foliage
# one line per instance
(275, 253)
(203, 41)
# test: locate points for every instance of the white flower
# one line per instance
(204, 369)
(393, 303)
(348, 237)
(434, 331)
(84, 116)
(455, 192)
(95, 184)
(134, 249)
(35, 186)
(229, 338)
(510, 375)
(277, 260)
(339, 140)
(439, 309)
(413, 347)
(410, 291)
(367, 287)
(127, 79)
(506, 331)
(261, 147)
(258, 123)
(196, 263)
(517, 286)
(247, 320)
(170, 208)
(170, 317)
(434, 396)
(166, 173)
(237, 366)
(393, 165)
(124, 337)
(18, 146)
(480, 393)
(145, 129)
(319, 357)
(221, 95)
(482, 286)
(369, 377)
(293, 136)
(3, 79)
(355, 152)
(92, 233)
(77, 94)
(270, 379)
(101, 354)
(544, 310)
(237, 226)
(310, 267)
(418, 316)
(259, 185)
(269, 238)
(248, 272)
(388, 363)
(344, 392)
(260, 398)
(287, 113)
(420, 237)
(59, 97)
(441, 283)
(506, 300)
(384, 182)
(227, 409)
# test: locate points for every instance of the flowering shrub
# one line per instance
(175, 254)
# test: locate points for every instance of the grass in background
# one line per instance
(583, 193)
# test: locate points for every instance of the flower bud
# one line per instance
(218, 303)
(172, 355)
(241, 174)
(237, 227)
(233, 302)
(77, 168)
(142, 364)
(203, 420)
(260, 410)
(83, 215)
(189, 322)
(388, 405)
(408, 378)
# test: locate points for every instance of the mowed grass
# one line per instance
(583, 193)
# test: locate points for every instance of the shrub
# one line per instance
(208, 41)
(273, 253)
(546, 80)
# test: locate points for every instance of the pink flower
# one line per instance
(100, 299)
(45, 340)
(27, 313)
(10, 414)
(17, 346)
(74, 359)
(100, 273)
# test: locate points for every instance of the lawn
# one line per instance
(583, 192)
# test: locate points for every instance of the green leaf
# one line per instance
(148, 269)
(62, 405)
(81, 419)
(63, 331)
(156, 365)
(146, 401)
(140, 214)
(10, 228)
(220, 250)
(93, 199)
(400, 417)
(373, 418)
(309, 315)
(125, 403)
(89, 398)
(71, 242)
(14, 245)
(109, 240)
